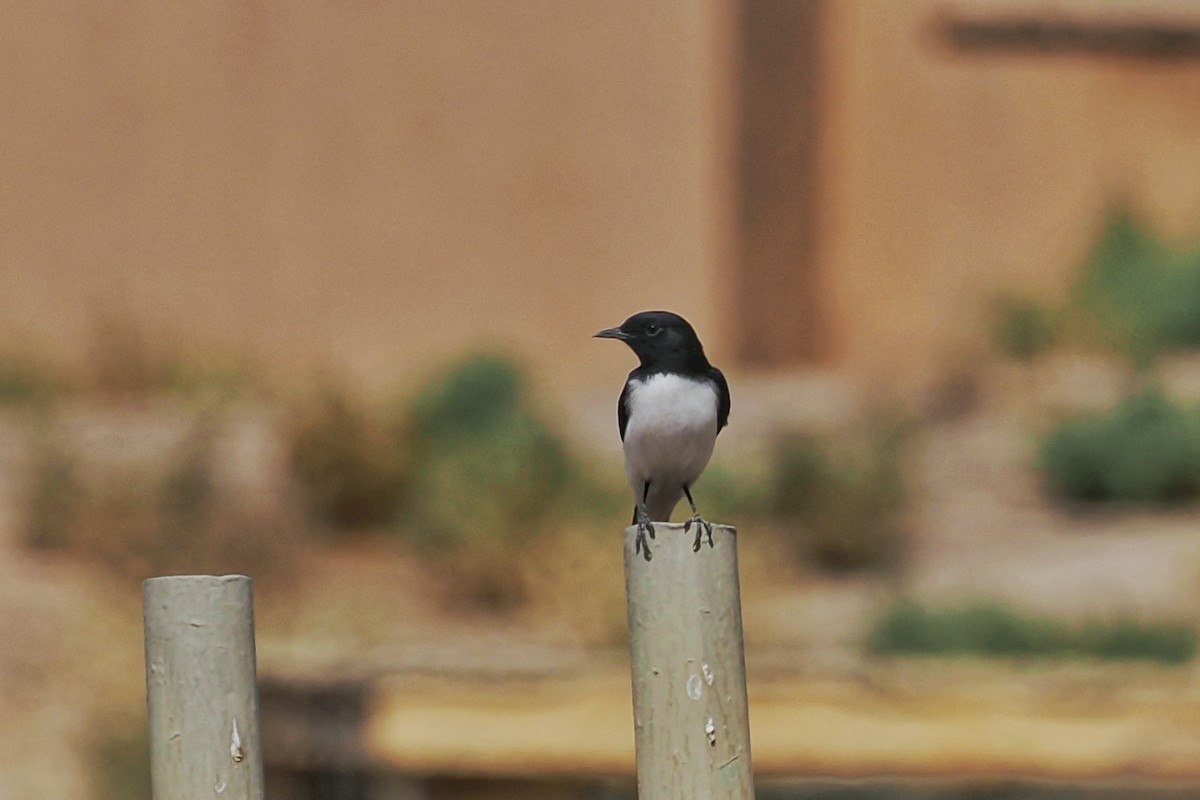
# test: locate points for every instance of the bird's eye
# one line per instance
(652, 329)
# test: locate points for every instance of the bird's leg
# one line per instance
(703, 526)
(645, 527)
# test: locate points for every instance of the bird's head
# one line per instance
(660, 339)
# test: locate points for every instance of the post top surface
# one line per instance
(214, 579)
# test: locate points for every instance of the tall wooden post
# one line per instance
(691, 724)
(200, 688)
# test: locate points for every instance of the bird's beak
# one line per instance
(612, 333)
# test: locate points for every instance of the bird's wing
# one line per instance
(718, 378)
(623, 409)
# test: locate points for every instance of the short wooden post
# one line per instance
(691, 724)
(200, 688)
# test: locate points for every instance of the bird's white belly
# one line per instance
(671, 430)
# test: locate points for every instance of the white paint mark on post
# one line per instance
(235, 745)
(708, 674)
(710, 730)
(694, 687)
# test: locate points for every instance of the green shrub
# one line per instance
(469, 400)
(348, 463)
(1142, 295)
(499, 484)
(485, 466)
(1146, 450)
(471, 462)
(907, 627)
(844, 507)
(1126, 640)
(990, 629)
(1135, 294)
(488, 476)
(1022, 329)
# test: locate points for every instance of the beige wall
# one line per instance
(949, 175)
(371, 185)
(376, 186)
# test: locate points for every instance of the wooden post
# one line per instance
(200, 688)
(691, 724)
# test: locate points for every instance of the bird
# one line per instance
(669, 414)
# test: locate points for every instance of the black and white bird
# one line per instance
(669, 414)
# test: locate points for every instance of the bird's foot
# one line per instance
(703, 528)
(644, 528)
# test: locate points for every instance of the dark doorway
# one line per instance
(778, 310)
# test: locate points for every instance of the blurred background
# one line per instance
(306, 290)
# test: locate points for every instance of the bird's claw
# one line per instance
(640, 545)
(703, 529)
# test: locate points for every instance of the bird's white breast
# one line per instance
(671, 430)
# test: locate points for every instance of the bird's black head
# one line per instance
(661, 340)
